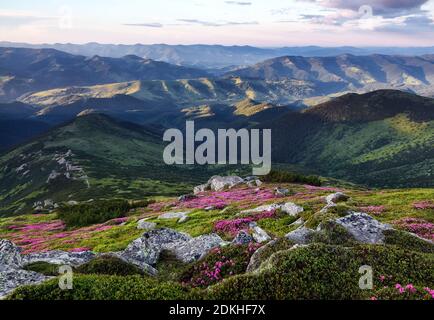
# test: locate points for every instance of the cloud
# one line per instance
(148, 25)
(379, 7)
(217, 24)
(19, 18)
(239, 3)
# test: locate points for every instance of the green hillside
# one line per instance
(89, 158)
(385, 143)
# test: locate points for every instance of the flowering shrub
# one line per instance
(404, 292)
(219, 264)
(39, 237)
(221, 199)
(420, 227)
(422, 205)
(234, 226)
(373, 209)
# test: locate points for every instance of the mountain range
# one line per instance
(23, 70)
(383, 139)
(215, 56)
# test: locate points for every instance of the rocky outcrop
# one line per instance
(11, 273)
(59, 257)
(11, 279)
(363, 227)
(175, 215)
(290, 208)
(195, 248)
(145, 251)
(10, 255)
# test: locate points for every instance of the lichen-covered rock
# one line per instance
(291, 209)
(363, 227)
(145, 225)
(301, 235)
(258, 233)
(242, 238)
(195, 248)
(59, 257)
(12, 278)
(173, 215)
(145, 250)
(10, 256)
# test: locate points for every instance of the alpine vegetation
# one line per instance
(221, 150)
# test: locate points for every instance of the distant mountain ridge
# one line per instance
(26, 70)
(349, 73)
(216, 56)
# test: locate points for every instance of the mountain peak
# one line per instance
(376, 105)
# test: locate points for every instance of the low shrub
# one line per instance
(333, 233)
(103, 287)
(219, 264)
(109, 265)
(325, 272)
(265, 252)
(90, 213)
(44, 268)
(278, 176)
(407, 241)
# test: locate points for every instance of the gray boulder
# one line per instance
(258, 233)
(301, 235)
(291, 209)
(10, 255)
(145, 250)
(195, 248)
(12, 278)
(201, 188)
(145, 225)
(364, 228)
(174, 215)
(218, 183)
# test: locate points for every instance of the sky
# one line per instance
(264, 23)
